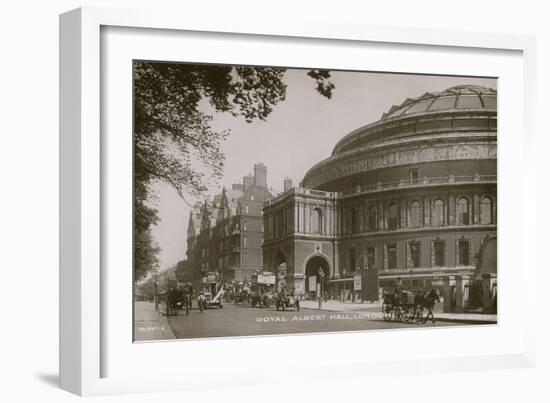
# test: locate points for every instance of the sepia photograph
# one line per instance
(273, 201)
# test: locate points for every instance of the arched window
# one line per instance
(393, 217)
(486, 211)
(414, 214)
(372, 217)
(316, 221)
(438, 213)
(462, 212)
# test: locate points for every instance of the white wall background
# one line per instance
(29, 200)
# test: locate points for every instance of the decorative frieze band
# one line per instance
(338, 168)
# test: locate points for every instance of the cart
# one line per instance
(262, 289)
(399, 306)
(286, 302)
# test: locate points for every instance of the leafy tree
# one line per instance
(172, 137)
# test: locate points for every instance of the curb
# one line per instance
(167, 332)
(468, 321)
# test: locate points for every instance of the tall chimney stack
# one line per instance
(248, 182)
(260, 175)
(287, 184)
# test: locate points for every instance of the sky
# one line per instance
(301, 131)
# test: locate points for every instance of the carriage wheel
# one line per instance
(398, 313)
(387, 312)
(407, 316)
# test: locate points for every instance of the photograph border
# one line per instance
(81, 173)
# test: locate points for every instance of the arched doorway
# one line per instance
(317, 274)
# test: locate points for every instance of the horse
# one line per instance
(185, 298)
(427, 300)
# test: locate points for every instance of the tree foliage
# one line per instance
(173, 139)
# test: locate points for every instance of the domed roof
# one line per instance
(459, 97)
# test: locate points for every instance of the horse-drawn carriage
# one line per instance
(241, 296)
(286, 301)
(399, 306)
(176, 299)
(261, 298)
(404, 305)
(261, 292)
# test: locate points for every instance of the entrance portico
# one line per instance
(317, 273)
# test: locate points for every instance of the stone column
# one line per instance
(426, 219)
(452, 211)
(300, 217)
(381, 216)
(489, 282)
(336, 261)
(449, 285)
(403, 213)
(330, 218)
(462, 296)
(475, 209)
(296, 210)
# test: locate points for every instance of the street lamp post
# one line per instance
(156, 284)
(321, 276)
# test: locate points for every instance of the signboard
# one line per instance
(211, 278)
(357, 282)
(312, 283)
(266, 279)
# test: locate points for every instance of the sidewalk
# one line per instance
(479, 318)
(150, 324)
(336, 306)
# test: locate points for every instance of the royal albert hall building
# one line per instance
(411, 196)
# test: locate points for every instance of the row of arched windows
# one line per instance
(281, 223)
(372, 217)
(369, 218)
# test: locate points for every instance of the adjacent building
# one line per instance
(226, 233)
(412, 196)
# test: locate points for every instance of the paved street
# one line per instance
(238, 320)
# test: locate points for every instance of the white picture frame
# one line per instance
(84, 306)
